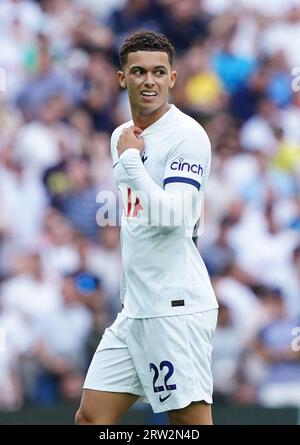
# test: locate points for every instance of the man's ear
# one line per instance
(173, 79)
(121, 79)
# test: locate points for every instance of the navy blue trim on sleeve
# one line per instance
(182, 179)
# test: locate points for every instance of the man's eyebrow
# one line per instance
(134, 67)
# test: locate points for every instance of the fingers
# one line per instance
(137, 130)
(133, 129)
(130, 138)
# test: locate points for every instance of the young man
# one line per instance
(159, 347)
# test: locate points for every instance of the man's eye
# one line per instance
(138, 72)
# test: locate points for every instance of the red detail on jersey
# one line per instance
(136, 206)
(128, 201)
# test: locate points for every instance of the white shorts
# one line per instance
(166, 360)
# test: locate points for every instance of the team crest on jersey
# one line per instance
(180, 165)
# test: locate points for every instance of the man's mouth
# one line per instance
(149, 93)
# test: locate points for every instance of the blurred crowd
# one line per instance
(237, 63)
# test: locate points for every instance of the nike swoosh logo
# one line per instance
(163, 399)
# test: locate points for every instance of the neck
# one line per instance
(142, 120)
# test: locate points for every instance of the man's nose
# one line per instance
(149, 82)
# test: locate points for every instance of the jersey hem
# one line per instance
(169, 314)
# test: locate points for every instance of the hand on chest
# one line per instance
(153, 158)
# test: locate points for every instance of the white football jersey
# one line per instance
(162, 191)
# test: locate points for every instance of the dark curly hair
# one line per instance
(146, 41)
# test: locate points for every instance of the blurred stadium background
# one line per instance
(238, 62)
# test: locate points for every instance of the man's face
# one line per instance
(147, 76)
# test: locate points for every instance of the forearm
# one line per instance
(166, 206)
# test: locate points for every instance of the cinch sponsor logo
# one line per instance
(180, 165)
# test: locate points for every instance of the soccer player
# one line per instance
(159, 347)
